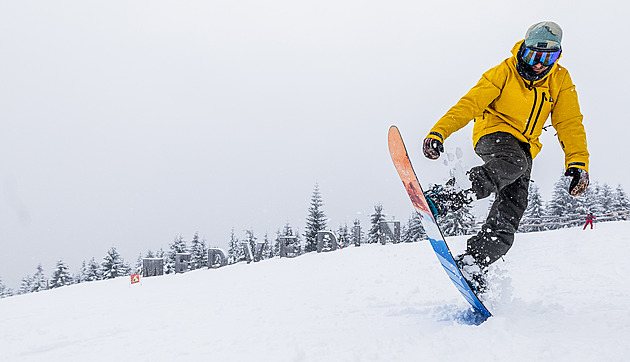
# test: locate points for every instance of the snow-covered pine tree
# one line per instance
(404, 232)
(413, 231)
(593, 192)
(287, 230)
(344, 235)
(39, 282)
(299, 241)
(316, 221)
(78, 277)
(583, 204)
(276, 244)
(460, 222)
(562, 203)
(139, 263)
(357, 232)
(177, 246)
(92, 271)
(161, 254)
(26, 285)
(199, 252)
(61, 276)
(4, 290)
(605, 199)
(113, 265)
(235, 251)
(535, 210)
(267, 248)
(621, 203)
(374, 234)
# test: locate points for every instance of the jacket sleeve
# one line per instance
(472, 104)
(567, 120)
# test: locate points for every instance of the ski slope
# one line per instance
(558, 296)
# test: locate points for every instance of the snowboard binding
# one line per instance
(443, 199)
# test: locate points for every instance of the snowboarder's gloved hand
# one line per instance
(432, 148)
(580, 180)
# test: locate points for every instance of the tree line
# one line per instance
(564, 210)
(113, 265)
(598, 199)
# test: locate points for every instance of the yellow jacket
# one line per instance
(502, 101)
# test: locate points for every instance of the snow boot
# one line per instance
(473, 272)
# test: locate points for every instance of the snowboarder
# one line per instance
(510, 105)
(589, 220)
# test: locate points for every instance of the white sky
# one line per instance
(128, 123)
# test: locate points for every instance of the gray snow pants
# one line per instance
(506, 172)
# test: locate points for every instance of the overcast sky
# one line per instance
(128, 123)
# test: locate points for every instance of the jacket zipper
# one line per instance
(544, 98)
(532, 112)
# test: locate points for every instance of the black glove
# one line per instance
(580, 180)
(432, 148)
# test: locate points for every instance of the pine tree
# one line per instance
(267, 248)
(113, 265)
(26, 285)
(413, 231)
(161, 254)
(39, 282)
(92, 271)
(78, 277)
(235, 251)
(199, 252)
(589, 201)
(138, 267)
(276, 244)
(61, 275)
(605, 199)
(583, 204)
(177, 246)
(4, 290)
(315, 222)
(344, 236)
(374, 235)
(460, 222)
(560, 203)
(621, 203)
(287, 230)
(535, 210)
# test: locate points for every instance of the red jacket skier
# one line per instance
(589, 220)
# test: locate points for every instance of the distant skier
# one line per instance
(510, 105)
(589, 220)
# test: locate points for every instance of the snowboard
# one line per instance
(405, 170)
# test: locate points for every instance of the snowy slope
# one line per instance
(563, 297)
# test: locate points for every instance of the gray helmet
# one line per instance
(545, 35)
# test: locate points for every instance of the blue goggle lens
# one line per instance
(531, 56)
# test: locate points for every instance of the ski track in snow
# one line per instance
(558, 296)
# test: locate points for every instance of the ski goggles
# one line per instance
(546, 57)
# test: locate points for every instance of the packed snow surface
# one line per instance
(558, 296)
